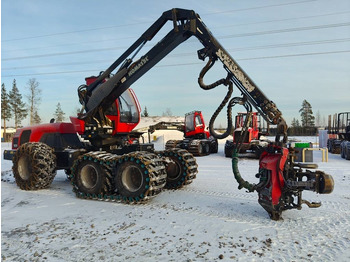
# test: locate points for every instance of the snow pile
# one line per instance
(209, 220)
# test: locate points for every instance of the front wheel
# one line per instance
(34, 166)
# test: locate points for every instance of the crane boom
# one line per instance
(186, 23)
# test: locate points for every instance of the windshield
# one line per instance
(128, 108)
(189, 123)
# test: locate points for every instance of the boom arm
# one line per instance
(99, 95)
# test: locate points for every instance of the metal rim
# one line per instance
(132, 178)
(24, 169)
(89, 176)
(173, 170)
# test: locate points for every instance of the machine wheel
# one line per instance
(342, 151)
(199, 148)
(228, 150)
(330, 146)
(131, 179)
(346, 151)
(214, 148)
(205, 148)
(139, 176)
(34, 166)
(181, 168)
(92, 178)
(171, 144)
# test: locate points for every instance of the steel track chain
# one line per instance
(196, 148)
(187, 161)
(171, 144)
(150, 162)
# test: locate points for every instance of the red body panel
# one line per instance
(39, 130)
(275, 163)
(79, 125)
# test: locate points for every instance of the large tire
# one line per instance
(330, 146)
(346, 150)
(214, 146)
(198, 147)
(34, 166)
(342, 151)
(228, 149)
(131, 180)
(92, 178)
(171, 144)
(181, 168)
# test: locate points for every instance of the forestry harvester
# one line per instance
(251, 136)
(103, 158)
(339, 134)
(197, 139)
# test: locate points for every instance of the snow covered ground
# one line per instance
(209, 220)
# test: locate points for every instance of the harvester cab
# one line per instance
(122, 116)
(253, 128)
(195, 126)
(339, 134)
(197, 139)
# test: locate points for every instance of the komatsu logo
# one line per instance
(138, 66)
(237, 72)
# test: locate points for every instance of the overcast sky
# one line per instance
(292, 49)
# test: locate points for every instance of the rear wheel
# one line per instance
(181, 168)
(34, 166)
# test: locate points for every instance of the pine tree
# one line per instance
(34, 99)
(295, 123)
(59, 114)
(5, 107)
(36, 118)
(145, 113)
(307, 118)
(18, 106)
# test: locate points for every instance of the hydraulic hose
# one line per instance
(236, 100)
(223, 81)
(241, 182)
